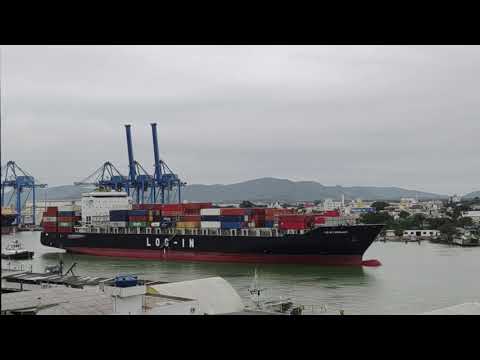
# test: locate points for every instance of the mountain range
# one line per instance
(263, 189)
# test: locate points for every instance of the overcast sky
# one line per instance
(406, 116)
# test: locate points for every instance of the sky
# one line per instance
(406, 116)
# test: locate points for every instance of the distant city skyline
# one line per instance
(403, 116)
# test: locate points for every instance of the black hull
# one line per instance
(325, 245)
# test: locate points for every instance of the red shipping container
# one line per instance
(191, 211)
(51, 211)
(284, 225)
(171, 213)
(196, 206)
(232, 211)
(331, 213)
(66, 219)
(190, 218)
(172, 207)
(319, 219)
(62, 229)
(137, 218)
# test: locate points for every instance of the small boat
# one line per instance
(283, 306)
(15, 251)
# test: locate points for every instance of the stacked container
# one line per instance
(295, 222)
(172, 210)
(189, 221)
(66, 219)
(233, 218)
(119, 218)
(137, 218)
(49, 219)
(210, 218)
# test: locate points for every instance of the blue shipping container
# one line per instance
(210, 218)
(231, 225)
(137, 212)
(269, 223)
(232, 218)
(66, 213)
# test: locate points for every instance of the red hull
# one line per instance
(221, 257)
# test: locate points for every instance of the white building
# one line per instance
(96, 206)
(421, 233)
(475, 215)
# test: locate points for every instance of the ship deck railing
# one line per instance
(250, 232)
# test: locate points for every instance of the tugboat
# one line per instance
(15, 251)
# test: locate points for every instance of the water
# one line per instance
(413, 278)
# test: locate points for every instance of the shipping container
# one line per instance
(331, 213)
(137, 212)
(269, 223)
(65, 224)
(232, 218)
(50, 219)
(319, 219)
(155, 224)
(171, 213)
(137, 218)
(190, 218)
(232, 212)
(232, 225)
(196, 206)
(137, 224)
(210, 212)
(210, 224)
(120, 224)
(65, 229)
(188, 224)
(66, 219)
(52, 210)
(66, 213)
(172, 207)
(210, 218)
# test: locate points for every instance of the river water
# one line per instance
(414, 278)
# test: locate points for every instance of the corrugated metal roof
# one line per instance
(461, 309)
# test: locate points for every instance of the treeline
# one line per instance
(446, 225)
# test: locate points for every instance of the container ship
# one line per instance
(8, 217)
(109, 224)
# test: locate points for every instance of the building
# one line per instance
(474, 215)
(428, 234)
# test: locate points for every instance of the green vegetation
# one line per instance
(380, 205)
(447, 226)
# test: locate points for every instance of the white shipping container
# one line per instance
(66, 208)
(155, 224)
(210, 212)
(210, 224)
(49, 219)
(118, 223)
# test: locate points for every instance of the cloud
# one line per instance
(351, 115)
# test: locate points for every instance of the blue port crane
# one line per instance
(19, 180)
(140, 182)
(106, 177)
(164, 179)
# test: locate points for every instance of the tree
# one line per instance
(380, 205)
(404, 214)
(376, 218)
(449, 230)
(465, 221)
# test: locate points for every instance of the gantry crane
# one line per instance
(19, 180)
